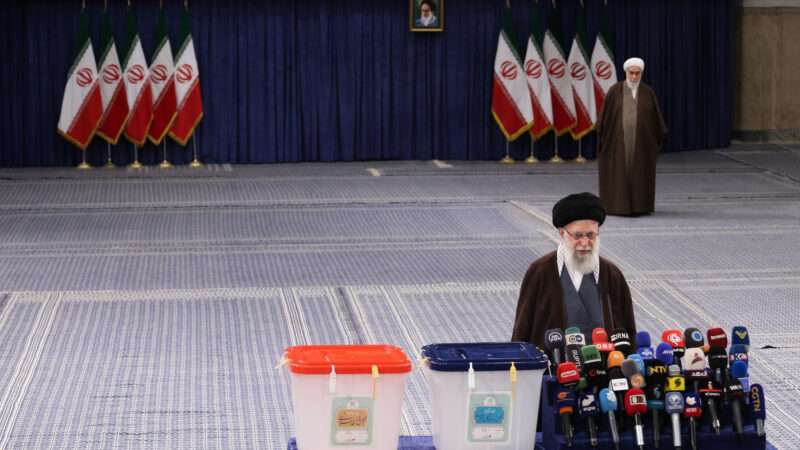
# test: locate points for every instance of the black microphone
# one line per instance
(656, 376)
(622, 341)
(734, 393)
(693, 338)
(718, 362)
(712, 394)
(587, 408)
(553, 343)
(575, 340)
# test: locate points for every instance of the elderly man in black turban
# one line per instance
(574, 286)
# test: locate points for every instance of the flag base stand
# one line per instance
(531, 160)
(556, 159)
(195, 164)
(110, 165)
(507, 159)
(165, 164)
(83, 165)
(135, 165)
(580, 159)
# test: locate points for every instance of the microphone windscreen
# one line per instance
(574, 338)
(739, 335)
(673, 337)
(673, 402)
(717, 337)
(587, 404)
(717, 358)
(738, 352)
(599, 335)
(608, 400)
(572, 330)
(739, 369)
(621, 340)
(590, 355)
(637, 358)
(646, 352)
(664, 353)
(643, 339)
(693, 338)
(757, 403)
(553, 339)
(567, 373)
(693, 359)
(656, 373)
(693, 407)
(565, 397)
(635, 402)
(629, 368)
(615, 359)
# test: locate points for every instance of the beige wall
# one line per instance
(768, 69)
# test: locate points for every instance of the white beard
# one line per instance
(585, 264)
(633, 87)
(426, 20)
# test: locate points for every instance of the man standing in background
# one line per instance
(630, 133)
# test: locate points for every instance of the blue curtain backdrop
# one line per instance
(325, 80)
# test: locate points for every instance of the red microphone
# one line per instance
(568, 374)
(636, 405)
(717, 337)
(599, 335)
(674, 338)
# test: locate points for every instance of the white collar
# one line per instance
(561, 262)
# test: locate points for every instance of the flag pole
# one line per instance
(556, 159)
(532, 158)
(195, 164)
(135, 164)
(165, 164)
(580, 159)
(507, 159)
(83, 165)
(110, 162)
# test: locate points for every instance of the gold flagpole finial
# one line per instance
(83, 5)
(186, 4)
(554, 4)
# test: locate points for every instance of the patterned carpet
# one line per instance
(143, 310)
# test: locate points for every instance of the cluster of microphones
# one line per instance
(688, 375)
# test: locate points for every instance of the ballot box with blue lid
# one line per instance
(484, 396)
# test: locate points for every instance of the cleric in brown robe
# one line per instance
(574, 286)
(630, 133)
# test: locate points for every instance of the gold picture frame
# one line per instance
(426, 15)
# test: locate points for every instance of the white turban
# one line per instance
(633, 62)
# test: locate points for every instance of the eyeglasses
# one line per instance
(578, 236)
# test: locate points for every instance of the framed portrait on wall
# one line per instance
(426, 15)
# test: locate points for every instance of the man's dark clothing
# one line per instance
(541, 301)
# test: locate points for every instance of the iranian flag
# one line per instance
(581, 78)
(162, 83)
(82, 106)
(140, 99)
(187, 88)
(560, 85)
(112, 89)
(539, 84)
(511, 98)
(603, 70)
